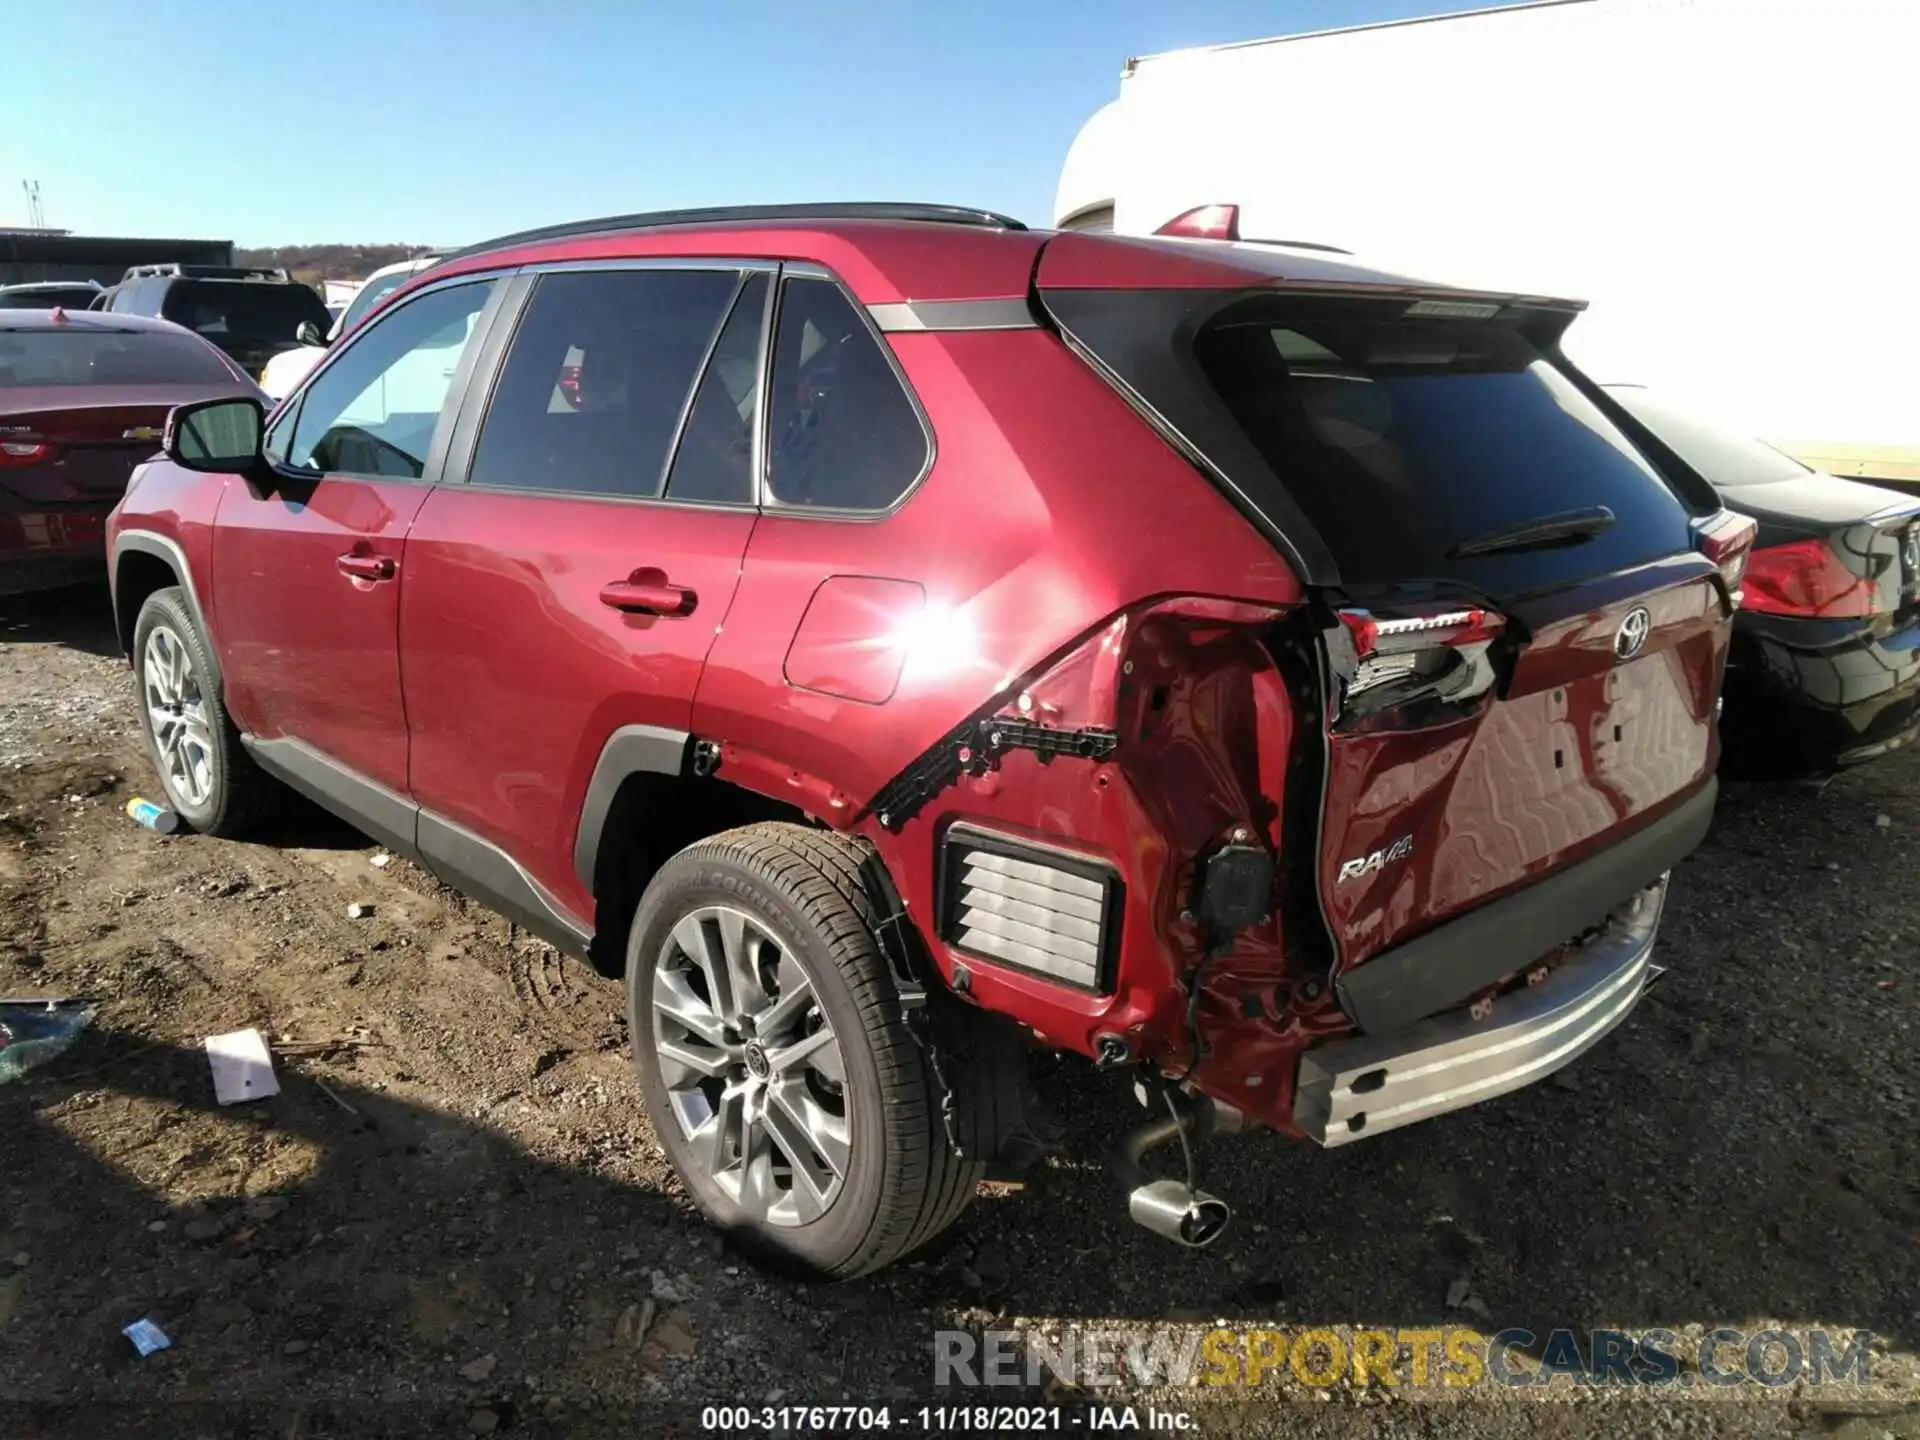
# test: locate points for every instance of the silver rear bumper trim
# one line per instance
(1350, 1089)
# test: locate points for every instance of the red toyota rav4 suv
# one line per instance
(891, 636)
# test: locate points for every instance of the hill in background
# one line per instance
(314, 263)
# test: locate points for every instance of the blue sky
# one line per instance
(436, 122)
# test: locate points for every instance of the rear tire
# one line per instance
(209, 779)
(750, 948)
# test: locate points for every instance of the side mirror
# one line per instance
(219, 437)
(309, 334)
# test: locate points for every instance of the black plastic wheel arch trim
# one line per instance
(629, 750)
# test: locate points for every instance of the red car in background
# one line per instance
(84, 398)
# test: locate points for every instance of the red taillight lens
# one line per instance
(20, 452)
(1726, 539)
(1205, 222)
(1805, 578)
(1417, 646)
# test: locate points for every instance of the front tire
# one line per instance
(774, 1058)
(209, 779)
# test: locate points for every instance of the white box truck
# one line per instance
(1733, 185)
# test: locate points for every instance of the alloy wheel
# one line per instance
(177, 717)
(753, 1071)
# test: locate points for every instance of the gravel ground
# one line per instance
(455, 1219)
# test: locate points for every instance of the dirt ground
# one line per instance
(455, 1219)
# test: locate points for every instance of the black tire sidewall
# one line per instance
(690, 882)
(168, 608)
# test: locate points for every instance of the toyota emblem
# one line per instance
(1632, 634)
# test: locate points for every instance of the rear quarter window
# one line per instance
(842, 432)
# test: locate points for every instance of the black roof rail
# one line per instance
(723, 214)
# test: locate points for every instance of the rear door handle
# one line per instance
(644, 598)
(368, 567)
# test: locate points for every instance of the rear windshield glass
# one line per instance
(76, 297)
(1396, 438)
(368, 294)
(1724, 458)
(81, 357)
(224, 310)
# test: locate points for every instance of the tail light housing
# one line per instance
(19, 451)
(1726, 539)
(1806, 578)
(1205, 222)
(1415, 654)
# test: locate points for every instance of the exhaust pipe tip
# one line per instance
(1187, 1217)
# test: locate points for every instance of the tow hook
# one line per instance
(1175, 1209)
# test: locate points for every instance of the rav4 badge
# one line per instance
(1379, 860)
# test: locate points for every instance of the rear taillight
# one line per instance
(1431, 653)
(1205, 222)
(21, 451)
(1727, 539)
(1806, 578)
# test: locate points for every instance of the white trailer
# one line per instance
(1730, 183)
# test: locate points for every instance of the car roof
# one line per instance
(890, 254)
(25, 285)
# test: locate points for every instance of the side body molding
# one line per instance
(630, 750)
(456, 855)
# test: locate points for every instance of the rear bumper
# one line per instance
(41, 548)
(1817, 694)
(1374, 1083)
(1448, 964)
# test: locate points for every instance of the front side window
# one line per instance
(842, 434)
(597, 378)
(374, 409)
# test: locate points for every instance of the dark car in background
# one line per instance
(251, 314)
(84, 398)
(1825, 665)
(45, 294)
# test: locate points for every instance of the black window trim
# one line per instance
(813, 270)
(434, 470)
(478, 398)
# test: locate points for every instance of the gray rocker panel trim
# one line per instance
(454, 854)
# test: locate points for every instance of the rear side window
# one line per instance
(369, 294)
(714, 460)
(80, 357)
(842, 434)
(243, 310)
(598, 376)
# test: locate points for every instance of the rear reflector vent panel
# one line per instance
(1049, 912)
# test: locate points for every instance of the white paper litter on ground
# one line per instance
(146, 1336)
(242, 1067)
